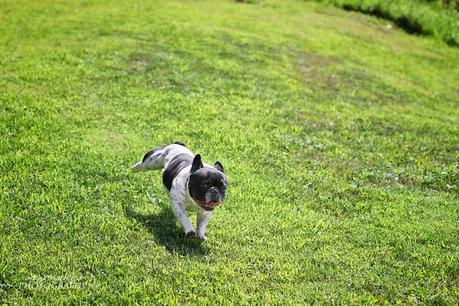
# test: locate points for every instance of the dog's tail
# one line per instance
(152, 160)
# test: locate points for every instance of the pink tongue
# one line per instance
(210, 204)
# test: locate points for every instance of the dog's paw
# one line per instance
(202, 236)
(191, 234)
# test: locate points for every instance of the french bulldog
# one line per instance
(190, 183)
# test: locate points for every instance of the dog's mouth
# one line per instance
(208, 205)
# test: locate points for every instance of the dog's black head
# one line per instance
(207, 185)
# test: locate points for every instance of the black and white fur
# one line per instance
(190, 183)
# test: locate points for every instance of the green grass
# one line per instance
(439, 18)
(339, 137)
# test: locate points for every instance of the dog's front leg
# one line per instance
(180, 214)
(202, 220)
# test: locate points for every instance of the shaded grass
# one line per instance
(417, 17)
(164, 228)
(339, 138)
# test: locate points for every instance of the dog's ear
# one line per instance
(218, 165)
(197, 163)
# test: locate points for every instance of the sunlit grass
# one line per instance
(339, 137)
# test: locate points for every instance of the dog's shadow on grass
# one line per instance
(166, 232)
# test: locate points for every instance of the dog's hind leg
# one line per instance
(152, 160)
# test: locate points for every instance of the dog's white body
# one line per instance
(180, 198)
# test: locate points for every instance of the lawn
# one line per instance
(338, 133)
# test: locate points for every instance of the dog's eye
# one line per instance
(203, 187)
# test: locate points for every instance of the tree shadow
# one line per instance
(165, 231)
